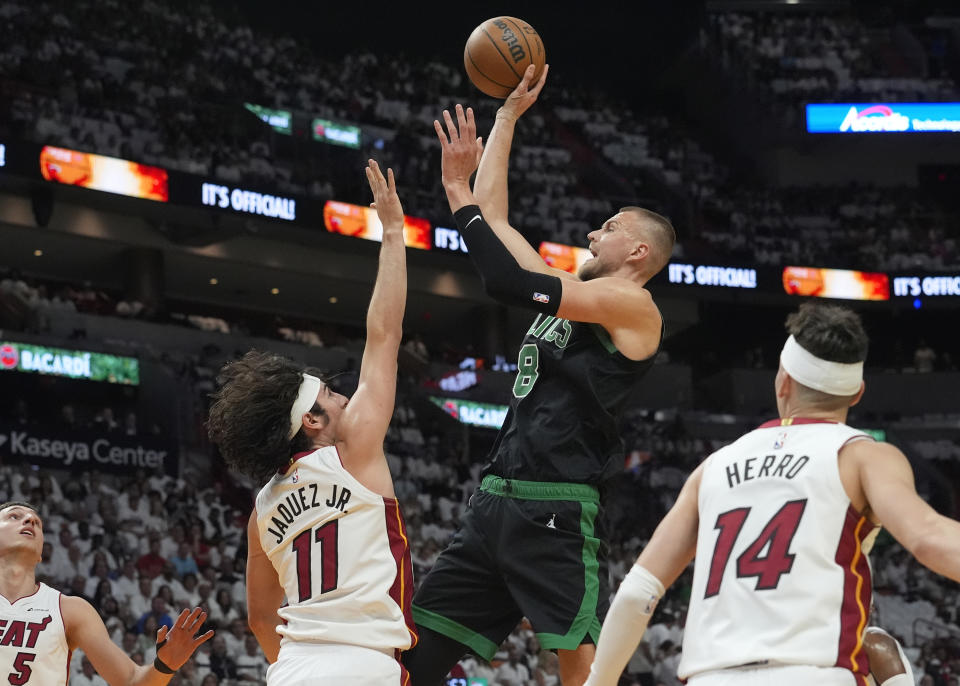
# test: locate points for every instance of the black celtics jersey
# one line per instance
(570, 387)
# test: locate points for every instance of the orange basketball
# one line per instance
(499, 51)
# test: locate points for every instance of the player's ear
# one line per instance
(315, 421)
(856, 398)
(640, 250)
(782, 383)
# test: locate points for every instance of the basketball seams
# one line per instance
(520, 32)
(497, 48)
(507, 45)
(478, 71)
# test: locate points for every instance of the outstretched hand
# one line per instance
(175, 646)
(523, 96)
(385, 199)
(460, 148)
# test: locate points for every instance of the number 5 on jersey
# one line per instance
(326, 536)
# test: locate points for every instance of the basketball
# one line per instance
(499, 51)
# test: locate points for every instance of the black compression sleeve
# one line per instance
(503, 278)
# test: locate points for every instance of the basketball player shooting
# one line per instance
(326, 532)
(40, 627)
(530, 544)
(779, 522)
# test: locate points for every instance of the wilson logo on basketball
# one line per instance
(8, 357)
(510, 38)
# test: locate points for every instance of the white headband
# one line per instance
(306, 397)
(835, 378)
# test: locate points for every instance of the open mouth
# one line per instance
(29, 533)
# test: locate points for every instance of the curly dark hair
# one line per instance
(830, 332)
(250, 416)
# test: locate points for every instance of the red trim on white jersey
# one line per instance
(67, 638)
(23, 597)
(793, 421)
(402, 589)
(857, 588)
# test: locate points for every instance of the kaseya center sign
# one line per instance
(58, 448)
(73, 364)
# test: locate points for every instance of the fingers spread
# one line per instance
(375, 170)
(451, 127)
(438, 127)
(471, 124)
(203, 639)
(196, 618)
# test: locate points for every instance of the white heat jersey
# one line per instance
(33, 641)
(341, 553)
(781, 575)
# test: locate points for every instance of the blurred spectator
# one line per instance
(151, 564)
(512, 672)
(87, 676)
(158, 615)
(183, 562)
(924, 358)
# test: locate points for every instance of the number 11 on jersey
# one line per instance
(326, 536)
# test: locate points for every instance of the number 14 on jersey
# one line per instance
(775, 539)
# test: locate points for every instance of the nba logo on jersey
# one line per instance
(296, 476)
(781, 439)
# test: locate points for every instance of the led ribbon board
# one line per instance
(336, 133)
(359, 221)
(914, 117)
(473, 413)
(278, 120)
(73, 364)
(929, 285)
(565, 257)
(101, 173)
(844, 284)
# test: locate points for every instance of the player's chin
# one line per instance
(588, 270)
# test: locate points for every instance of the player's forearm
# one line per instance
(937, 547)
(459, 196)
(147, 675)
(490, 186)
(385, 313)
(624, 626)
(503, 277)
(267, 636)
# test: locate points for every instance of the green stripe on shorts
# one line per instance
(540, 490)
(586, 621)
(480, 644)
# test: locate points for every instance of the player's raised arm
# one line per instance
(887, 481)
(368, 413)
(490, 185)
(86, 631)
(631, 246)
